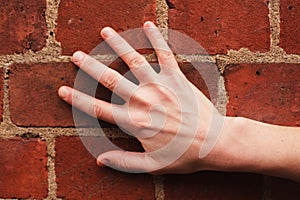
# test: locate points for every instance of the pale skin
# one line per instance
(244, 145)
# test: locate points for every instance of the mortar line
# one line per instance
(223, 98)
(274, 17)
(162, 14)
(5, 114)
(51, 17)
(11, 131)
(52, 185)
(158, 182)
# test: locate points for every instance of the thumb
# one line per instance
(133, 162)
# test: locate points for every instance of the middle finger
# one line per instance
(135, 61)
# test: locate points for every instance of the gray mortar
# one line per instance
(162, 14)
(159, 187)
(274, 17)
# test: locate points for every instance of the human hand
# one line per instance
(165, 112)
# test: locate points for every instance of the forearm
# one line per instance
(264, 148)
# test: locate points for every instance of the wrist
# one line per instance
(235, 150)
(247, 145)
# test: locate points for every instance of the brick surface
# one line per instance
(219, 26)
(264, 92)
(284, 189)
(33, 94)
(78, 176)
(22, 26)
(79, 22)
(23, 168)
(203, 76)
(289, 26)
(1, 93)
(213, 185)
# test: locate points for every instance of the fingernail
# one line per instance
(150, 24)
(102, 163)
(63, 92)
(77, 56)
(107, 32)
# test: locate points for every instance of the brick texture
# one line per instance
(219, 26)
(212, 185)
(33, 92)
(265, 92)
(79, 22)
(23, 167)
(22, 26)
(1, 93)
(289, 24)
(78, 176)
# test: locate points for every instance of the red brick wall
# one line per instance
(255, 44)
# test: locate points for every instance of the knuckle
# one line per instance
(166, 54)
(74, 98)
(86, 63)
(111, 80)
(142, 125)
(137, 61)
(97, 109)
(123, 163)
(116, 42)
(165, 93)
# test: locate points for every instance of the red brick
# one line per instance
(22, 26)
(33, 94)
(285, 189)
(289, 26)
(264, 92)
(78, 176)
(195, 73)
(219, 26)
(213, 185)
(79, 22)
(23, 167)
(1, 93)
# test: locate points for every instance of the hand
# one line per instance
(174, 132)
(175, 122)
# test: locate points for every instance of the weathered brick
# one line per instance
(23, 167)
(214, 185)
(78, 176)
(284, 189)
(264, 92)
(79, 22)
(22, 26)
(1, 92)
(33, 92)
(289, 26)
(219, 26)
(195, 73)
